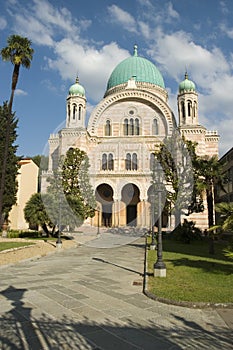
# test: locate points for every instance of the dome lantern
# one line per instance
(187, 85)
(77, 89)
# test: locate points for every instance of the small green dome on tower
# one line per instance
(139, 68)
(186, 85)
(77, 89)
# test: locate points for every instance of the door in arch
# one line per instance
(104, 195)
(130, 196)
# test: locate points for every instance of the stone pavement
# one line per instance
(91, 297)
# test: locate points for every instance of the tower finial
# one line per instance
(186, 73)
(77, 79)
(135, 50)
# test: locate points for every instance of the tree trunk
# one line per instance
(15, 77)
(210, 206)
(4, 165)
(6, 148)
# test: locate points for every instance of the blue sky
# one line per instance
(91, 37)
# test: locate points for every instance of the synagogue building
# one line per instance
(120, 138)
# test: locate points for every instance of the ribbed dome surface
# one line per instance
(141, 69)
(77, 89)
(186, 85)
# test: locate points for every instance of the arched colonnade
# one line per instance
(130, 206)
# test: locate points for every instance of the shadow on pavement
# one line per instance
(121, 267)
(19, 330)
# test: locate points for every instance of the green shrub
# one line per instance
(13, 234)
(29, 234)
(187, 232)
(22, 234)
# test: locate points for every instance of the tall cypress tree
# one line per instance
(8, 187)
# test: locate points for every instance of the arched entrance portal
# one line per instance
(130, 196)
(104, 195)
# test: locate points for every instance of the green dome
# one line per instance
(77, 89)
(141, 69)
(187, 85)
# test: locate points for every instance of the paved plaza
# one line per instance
(90, 297)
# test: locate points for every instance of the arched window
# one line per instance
(126, 127)
(107, 162)
(79, 112)
(110, 162)
(137, 126)
(104, 161)
(152, 161)
(195, 109)
(68, 112)
(131, 162)
(183, 110)
(131, 126)
(155, 127)
(128, 161)
(108, 128)
(134, 162)
(74, 111)
(189, 108)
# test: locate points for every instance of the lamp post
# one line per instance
(159, 266)
(98, 223)
(153, 245)
(59, 242)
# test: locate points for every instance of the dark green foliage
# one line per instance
(19, 52)
(187, 232)
(35, 213)
(41, 161)
(76, 181)
(210, 174)
(8, 187)
(63, 210)
(69, 199)
(22, 234)
(175, 156)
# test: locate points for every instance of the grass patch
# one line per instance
(11, 245)
(192, 274)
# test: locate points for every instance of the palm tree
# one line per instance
(18, 52)
(210, 174)
(226, 216)
(225, 222)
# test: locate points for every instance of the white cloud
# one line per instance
(226, 30)
(34, 29)
(44, 23)
(123, 18)
(223, 7)
(177, 51)
(19, 92)
(3, 23)
(54, 17)
(145, 29)
(93, 66)
(145, 3)
(171, 12)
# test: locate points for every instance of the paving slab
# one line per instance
(87, 298)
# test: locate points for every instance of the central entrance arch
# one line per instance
(130, 196)
(104, 195)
